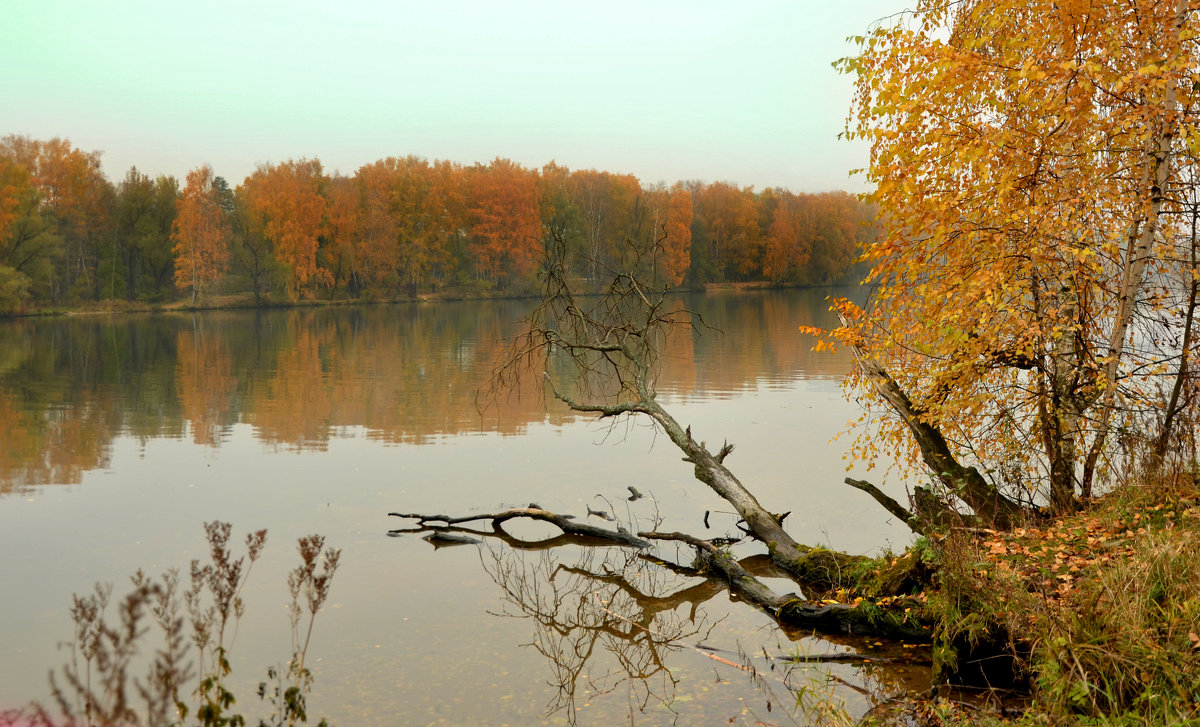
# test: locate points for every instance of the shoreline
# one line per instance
(245, 301)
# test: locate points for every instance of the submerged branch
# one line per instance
(898, 619)
(823, 568)
(740, 581)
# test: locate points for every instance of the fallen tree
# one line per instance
(599, 355)
(819, 571)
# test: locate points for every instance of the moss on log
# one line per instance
(901, 619)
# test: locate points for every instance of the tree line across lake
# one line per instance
(397, 227)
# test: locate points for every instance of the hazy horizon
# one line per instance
(668, 92)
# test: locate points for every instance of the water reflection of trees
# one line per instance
(204, 377)
(607, 618)
(57, 446)
(597, 630)
(614, 620)
(404, 374)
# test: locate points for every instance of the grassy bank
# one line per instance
(1101, 609)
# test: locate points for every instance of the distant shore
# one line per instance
(243, 301)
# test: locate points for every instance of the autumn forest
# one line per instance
(1015, 345)
(396, 228)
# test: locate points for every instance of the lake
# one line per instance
(123, 435)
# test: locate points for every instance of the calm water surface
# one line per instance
(122, 436)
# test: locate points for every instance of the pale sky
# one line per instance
(737, 90)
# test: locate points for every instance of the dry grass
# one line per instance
(1104, 606)
(174, 619)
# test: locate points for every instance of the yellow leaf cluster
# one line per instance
(1014, 152)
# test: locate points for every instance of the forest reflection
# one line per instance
(301, 377)
(614, 627)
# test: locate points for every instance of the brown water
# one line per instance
(121, 436)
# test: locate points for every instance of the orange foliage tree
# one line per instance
(73, 205)
(201, 234)
(662, 218)
(506, 223)
(426, 202)
(677, 229)
(1025, 154)
(836, 227)
(411, 212)
(340, 255)
(378, 226)
(787, 247)
(17, 255)
(286, 198)
(448, 210)
(730, 217)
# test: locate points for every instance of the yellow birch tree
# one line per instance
(201, 234)
(1022, 153)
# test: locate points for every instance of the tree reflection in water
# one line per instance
(615, 620)
(596, 624)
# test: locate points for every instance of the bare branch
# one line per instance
(564, 523)
(888, 503)
(725, 450)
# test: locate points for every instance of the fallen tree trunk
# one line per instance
(899, 619)
(792, 557)
(740, 581)
(599, 355)
(820, 569)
